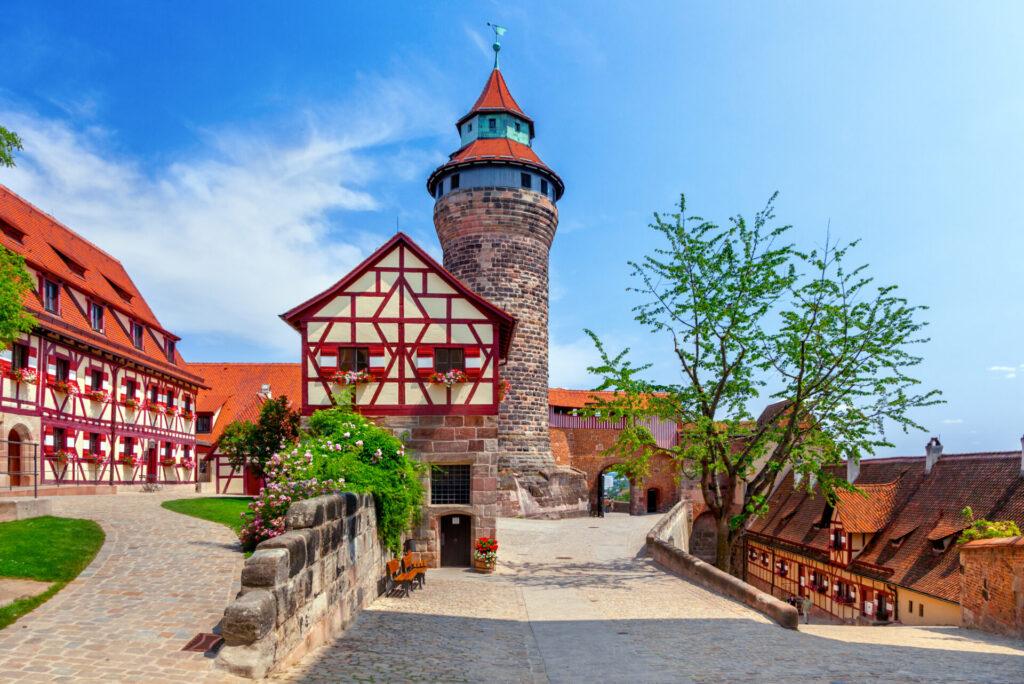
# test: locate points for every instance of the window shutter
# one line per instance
(138, 389)
(33, 358)
(471, 355)
(106, 382)
(71, 440)
(377, 361)
(124, 393)
(6, 359)
(424, 361)
(103, 447)
(48, 440)
(120, 446)
(51, 369)
(328, 360)
(72, 373)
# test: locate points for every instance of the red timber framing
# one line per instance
(839, 591)
(403, 312)
(85, 428)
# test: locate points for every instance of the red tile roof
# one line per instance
(496, 97)
(44, 240)
(495, 151)
(234, 390)
(925, 508)
(869, 510)
(571, 398)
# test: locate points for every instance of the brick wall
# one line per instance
(581, 448)
(453, 440)
(992, 585)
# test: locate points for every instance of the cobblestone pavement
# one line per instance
(159, 579)
(574, 600)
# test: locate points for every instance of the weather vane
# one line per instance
(498, 32)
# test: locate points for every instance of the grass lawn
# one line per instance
(225, 510)
(47, 549)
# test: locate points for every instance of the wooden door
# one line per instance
(253, 483)
(456, 531)
(151, 465)
(14, 458)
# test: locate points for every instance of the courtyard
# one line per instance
(572, 600)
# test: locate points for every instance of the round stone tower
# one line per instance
(496, 218)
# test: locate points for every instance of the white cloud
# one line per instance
(568, 363)
(953, 421)
(222, 242)
(1009, 370)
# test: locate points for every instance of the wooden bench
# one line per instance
(406, 574)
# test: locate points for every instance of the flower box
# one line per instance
(452, 377)
(171, 411)
(29, 376)
(361, 377)
(92, 458)
(168, 462)
(133, 404)
(62, 458)
(99, 396)
(155, 407)
(485, 554)
(130, 461)
(187, 415)
(65, 386)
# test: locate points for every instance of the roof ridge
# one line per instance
(54, 220)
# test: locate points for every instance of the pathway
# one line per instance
(159, 579)
(574, 602)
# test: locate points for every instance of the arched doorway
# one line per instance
(456, 531)
(14, 465)
(609, 489)
(652, 500)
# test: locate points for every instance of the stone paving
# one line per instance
(159, 579)
(575, 601)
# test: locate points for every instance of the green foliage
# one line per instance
(9, 142)
(255, 443)
(47, 549)
(746, 310)
(985, 529)
(342, 452)
(15, 283)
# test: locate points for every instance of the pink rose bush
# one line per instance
(342, 452)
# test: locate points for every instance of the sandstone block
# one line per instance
(267, 567)
(294, 544)
(249, 618)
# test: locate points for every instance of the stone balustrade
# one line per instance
(304, 587)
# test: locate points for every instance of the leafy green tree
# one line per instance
(253, 444)
(744, 311)
(9, 142)
(15, 284)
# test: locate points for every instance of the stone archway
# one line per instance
(19, 454)
(599, 504)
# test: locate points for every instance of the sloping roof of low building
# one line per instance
(924, 509)
(65, 256)
(235, 389)
(868, 510)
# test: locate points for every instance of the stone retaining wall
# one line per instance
(674, 558)
(305, 587)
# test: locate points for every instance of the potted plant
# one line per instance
(171, 411)
(187, 414)
(360, 377)
(452, 377)
(485, 554)
(98, 396)
(29, 376)
(503, 387)
(132, 403)
(65, 386)
(155, 407)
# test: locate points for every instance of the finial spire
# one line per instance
(498, 32)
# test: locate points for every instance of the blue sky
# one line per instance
(239, 157)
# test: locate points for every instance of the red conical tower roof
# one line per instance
(495, 98)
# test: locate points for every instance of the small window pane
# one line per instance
(449, 359)
(449, 484)
(62, 369)
(492, 124)
(203, 422)
(138, 334)
(96, 380)
(543, 187)
(97, 317)
(51, 296)
(94, 444)
(353, 358)
(455, 181)
(527, 180)
(19, 356)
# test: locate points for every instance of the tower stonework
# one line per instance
(496, 218)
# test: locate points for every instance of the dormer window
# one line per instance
(96, 317)
(51, 296)
(470, 128)
(72, 265)
(169, 349)
(11, 232)
(492, 124)
(137, 335)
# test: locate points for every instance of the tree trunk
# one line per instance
(723, 552)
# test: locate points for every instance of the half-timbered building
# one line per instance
(887, 553)
(422, 353)
(99, 384)
(235, 392)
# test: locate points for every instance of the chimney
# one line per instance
(932, 452)
(265, 390)
(852, 470)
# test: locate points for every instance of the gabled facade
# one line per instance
(236, 391)
(396, 324)
(99, 384)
